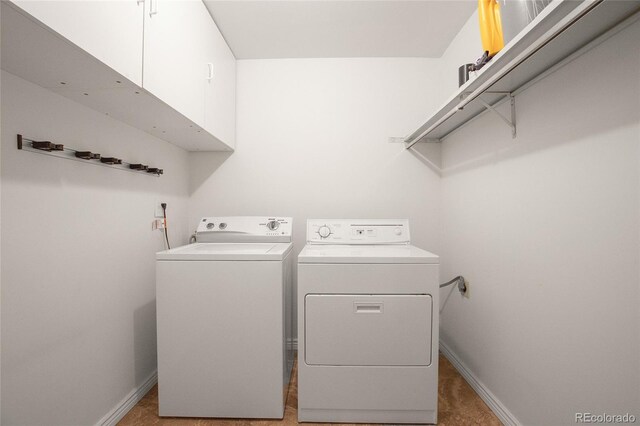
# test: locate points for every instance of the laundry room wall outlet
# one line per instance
(158, 210)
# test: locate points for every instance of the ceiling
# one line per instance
(344, 28)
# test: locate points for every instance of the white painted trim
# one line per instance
(119, 411)
(294, 343)
(498, 408)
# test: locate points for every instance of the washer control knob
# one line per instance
(398, 231)
(272, 225)
(324, 231)
(222, 225)
(211, 225)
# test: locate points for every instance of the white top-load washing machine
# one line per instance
(224, 320)
(367, 324)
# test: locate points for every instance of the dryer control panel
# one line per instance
(358, 231)
(244, 229)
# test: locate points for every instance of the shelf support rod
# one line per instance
(511, 123)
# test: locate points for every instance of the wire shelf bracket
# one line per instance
(488, 107)
(509, 122)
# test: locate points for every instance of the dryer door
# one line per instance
(368, 330)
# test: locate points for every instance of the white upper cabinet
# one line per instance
(160, 65)
(175, 54)
(111, 31)
(189, 66)
(220, 93)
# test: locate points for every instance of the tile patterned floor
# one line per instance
(458, 404)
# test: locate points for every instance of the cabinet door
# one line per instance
(220, 97)
(111, 31)
(175, 55)
(375, 330)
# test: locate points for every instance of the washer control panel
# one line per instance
(244, 229)
(358, 231)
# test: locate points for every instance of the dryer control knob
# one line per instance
(324, 231)
(398, 231)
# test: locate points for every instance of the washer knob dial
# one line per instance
(324, 231)
(272, 225)
(211, 225)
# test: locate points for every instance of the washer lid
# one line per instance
(313, 253)
(227, 251)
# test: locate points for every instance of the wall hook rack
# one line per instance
(89, 157)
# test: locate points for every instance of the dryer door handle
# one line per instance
(368, 307)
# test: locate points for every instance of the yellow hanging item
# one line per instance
(490, 26)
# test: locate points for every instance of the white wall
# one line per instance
(78, 279)
(546, 228)
(312, 142)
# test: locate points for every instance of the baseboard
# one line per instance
(487, 396)
(505, 416)
(120, 410)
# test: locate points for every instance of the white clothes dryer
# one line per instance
(367, 324)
